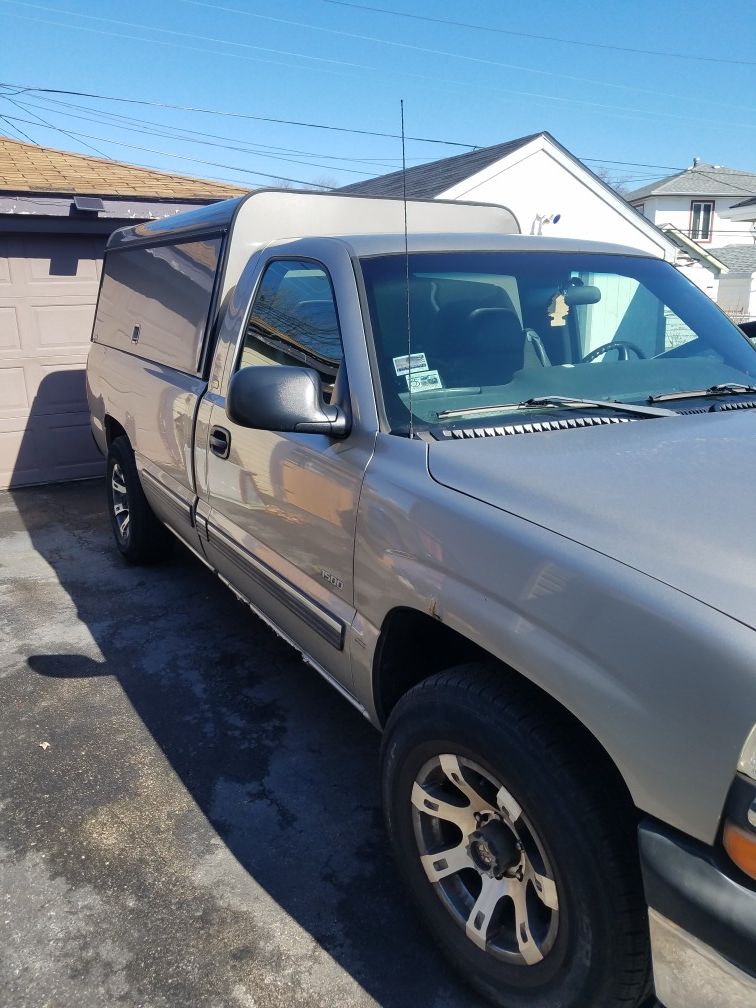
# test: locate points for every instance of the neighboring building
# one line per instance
(697, 202)
(56, 212)
(745, 213)
(702, 266)
(547, 188)
(737, 291)
(550, 191)
(738, 295)
(711, 209)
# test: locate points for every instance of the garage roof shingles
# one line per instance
(26, 168)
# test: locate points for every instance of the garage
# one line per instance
(48, 290)
(56, 213)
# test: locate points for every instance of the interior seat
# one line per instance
(486, 347)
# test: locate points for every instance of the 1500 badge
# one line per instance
(332, 579)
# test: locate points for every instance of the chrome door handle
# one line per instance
(220, 442)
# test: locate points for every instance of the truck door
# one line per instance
(282, 507)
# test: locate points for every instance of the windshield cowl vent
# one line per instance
(718, 407)
(533, 427)
(749, 404)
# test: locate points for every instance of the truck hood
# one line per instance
(674, 498)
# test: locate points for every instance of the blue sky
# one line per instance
(348, 65)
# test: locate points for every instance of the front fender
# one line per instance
(663, 682)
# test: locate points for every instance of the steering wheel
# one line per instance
(622, 346)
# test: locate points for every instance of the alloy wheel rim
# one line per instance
(484, 860)
(120, 497)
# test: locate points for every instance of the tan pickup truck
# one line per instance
(499, 491)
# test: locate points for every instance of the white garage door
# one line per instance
(48, 290)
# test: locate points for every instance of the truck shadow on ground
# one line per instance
(309, 910)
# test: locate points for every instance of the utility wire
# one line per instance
(21, 89)
(346, 34)
(180, 133)
(180, 157)
(59, 129)
(618, 111)
(193, 140)
(18, 132)
(543, 38)
(262, 149)
(446, 54)
(17, 89)
(168, 31)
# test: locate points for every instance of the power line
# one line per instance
(262, 149)
(25, 88)
(21, 88)
(618, 111)
(441, 52)
(17, 89)
(160, 133)
(169, 31)
(190, 48)
(59, 129)
(346, 34)
(542, 38)
(17, 131)
(180, 157)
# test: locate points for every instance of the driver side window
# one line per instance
(293, 320)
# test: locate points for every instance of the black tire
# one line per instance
(576, 828)
(144, 539)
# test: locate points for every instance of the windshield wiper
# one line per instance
(560, 401)
(727, 388)
(618, 407)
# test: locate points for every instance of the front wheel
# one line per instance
(517, 852)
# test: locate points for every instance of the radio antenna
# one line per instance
(406, 277)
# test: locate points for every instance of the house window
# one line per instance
(701, 214)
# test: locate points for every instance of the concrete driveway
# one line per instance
(189, 816)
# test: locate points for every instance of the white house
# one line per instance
(713, 209)
(698, 202)
(737, 290)
(550, 191)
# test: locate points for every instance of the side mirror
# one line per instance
(283, 399)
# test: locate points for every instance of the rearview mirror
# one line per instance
(283, 399)
(582, 294)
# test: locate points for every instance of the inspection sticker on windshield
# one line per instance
(423, 381)
(402, 365)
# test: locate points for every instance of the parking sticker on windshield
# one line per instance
(423, 381)
(402, 364)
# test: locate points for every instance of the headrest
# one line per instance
(495, 329)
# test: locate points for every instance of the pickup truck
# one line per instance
(498, 490)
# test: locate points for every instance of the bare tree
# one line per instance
(620, 183)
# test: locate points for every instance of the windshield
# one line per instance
(491, 330)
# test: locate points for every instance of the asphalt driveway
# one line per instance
(189, 816)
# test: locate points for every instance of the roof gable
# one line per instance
(426, 181)
(700, 180)
(27, 168)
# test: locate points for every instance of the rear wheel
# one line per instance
(139, 535)
(515, 845)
